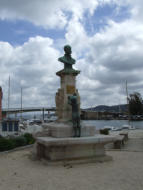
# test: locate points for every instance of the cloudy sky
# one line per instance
(106, 38)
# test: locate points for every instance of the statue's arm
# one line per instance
(69, 100)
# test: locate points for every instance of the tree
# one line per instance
(135, 104)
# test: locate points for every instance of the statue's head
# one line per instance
(67, 49)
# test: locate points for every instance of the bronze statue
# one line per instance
(72, 100)
(67, 59)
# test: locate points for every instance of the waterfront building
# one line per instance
(7, 126)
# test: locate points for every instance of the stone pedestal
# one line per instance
(83, 149)
(65, 129)
(59, 145)
(68, 87)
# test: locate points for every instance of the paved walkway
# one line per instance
(125, 172)
(134, 143)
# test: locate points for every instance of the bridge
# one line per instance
(85, 113)
(30, 109)
(27, 109)
(6, 111)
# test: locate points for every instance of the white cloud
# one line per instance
(32, 66)
(110, 57)
(76, 36)
(106, 60)
(50, 14)
(115, 55)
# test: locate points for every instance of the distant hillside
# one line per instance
(116, 108)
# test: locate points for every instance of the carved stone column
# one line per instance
(68, 87)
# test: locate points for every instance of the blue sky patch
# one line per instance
(102, 14)
(17, 32)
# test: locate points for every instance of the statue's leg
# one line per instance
(74, 125)
(75, 135)
(78, 127)
(74, 129)
(78, 131)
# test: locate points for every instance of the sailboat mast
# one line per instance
(128, 109)
(8, 95)
(127, 92)
(21, 103)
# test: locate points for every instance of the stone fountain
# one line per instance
(68, 139)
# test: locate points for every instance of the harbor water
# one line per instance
(100, 124)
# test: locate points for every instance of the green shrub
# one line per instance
(19, 141)
(104, 131)
(6, 144)
(13, 142)
(29, 138)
